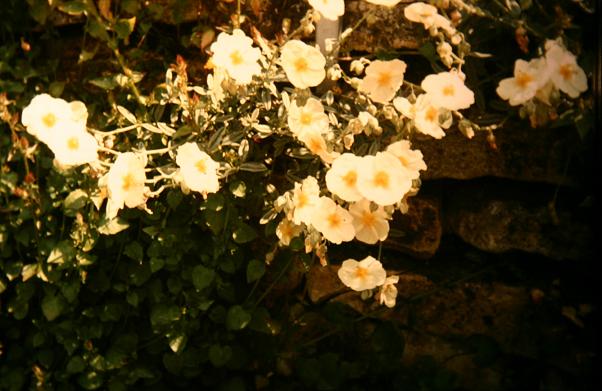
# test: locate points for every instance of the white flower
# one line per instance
(369, 123)
(528, 78)
(303, 64)
(237, 56)
(388, 291)
(307, 118)
(305, 198)
(330, 9)
(388, 3)
(427, 15)
(445, 52)
(197, 169)
(411, 160)
(341, 179)
(383, 79)
(45, 116)
(447, 90)
(315, 142)
(73, 146)
(365, 274)
(428, 119)
(286, 231)
(125, 183)
(382, 179)
(370, 225)
(565, 73)
(332, 221)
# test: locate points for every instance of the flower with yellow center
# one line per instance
(370, 224)
(330, 9)
(235, 53)
(426, 117)
(527, 80)
(447, 90)
(383, 79)
(387, 294)
(307, 118)
(73, 146)
(411, 160)
(565, 73)
(286, 231)
(382, 179)
(427, 14)
(45, 117)
(332, 221)
(315, 142)
(125, 183)
(197, 169)
(365, 274)
(387, 3)
(305, 198)
(303, 64)
(341, 178)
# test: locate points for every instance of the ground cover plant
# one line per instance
(159, 196)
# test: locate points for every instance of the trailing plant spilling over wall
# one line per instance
(156, 195)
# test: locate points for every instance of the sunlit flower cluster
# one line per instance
(369, 274)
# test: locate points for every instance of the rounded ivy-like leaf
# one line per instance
(237, 318)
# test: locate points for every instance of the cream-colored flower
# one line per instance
(411, 160)
(237, 56)
(197, 169)
(528, 78)
(73, 146)
(308, 118)
(383, 79)
(286, 231)
(305, 197)
(316, 143)
(365, 274)
(382, 179)
(387, 3)
(303, 64)
(369, 123)
(565, 73)
(370, 224)
(45, 116)
(445, 52)
(388, 291)
(427, 15)
(330, 9)
(332, 221)
(427, 118)
(125, 183)
(341, 179)
(447, 90)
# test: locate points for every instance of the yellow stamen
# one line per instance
(305, 118)
(566, 71)
(301, 64)
(384, 79)
(361, 272)
(350, 178)
(73, 143)
(333, 220)
(201, 166)
(448, 90)
(381, 179)
(236, 58)
(523, 79)
(49, 120)
(127, 182)
(368, 219)
(432, 114)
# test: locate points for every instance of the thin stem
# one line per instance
(116, 131)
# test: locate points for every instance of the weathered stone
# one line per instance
(323, 282)
(522, 153)
(385, 28)
(418, 232)
(498, 219)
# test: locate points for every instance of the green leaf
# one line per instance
(39, 10)
(106, 82)
(177, 342)
(243, 233)
(76, 365)
(255, 270)
(29, 271)
(124, 27)
(253, 167)
(90, 380)
(73, 8)
(56, 88)
(135, 251)
(174, 198)
(237, 318)
(202, 277)
(219, 355)
(113, 226)
(52, 307)
(76, 200)
(127, 115)
(62, 253)
(97, 30)
(163, 314)
(238, 188)
(156, 264)
(263, 323)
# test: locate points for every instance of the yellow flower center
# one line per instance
(305, 118)
(350, 178)
(201, 166)
(302, 200)
(236, 58)
(368, 219)
(49, 120)
(432, 114)
(127, 182)
(448, 90)
(315, 145)
(73, 143)
(333, 220)
(566, 71)
(301, 64)
(384, 79)
(381, 179)
(361, 272)
(523, 79)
